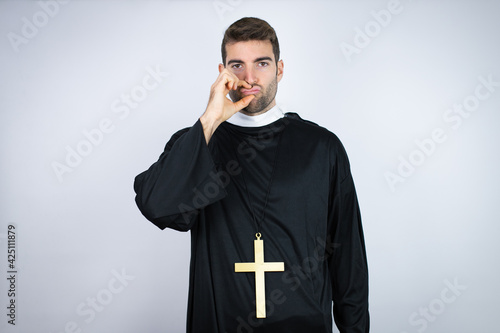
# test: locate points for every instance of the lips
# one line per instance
(252, 91)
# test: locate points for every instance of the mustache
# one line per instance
(252, 86)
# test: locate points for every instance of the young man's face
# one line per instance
(253, 61)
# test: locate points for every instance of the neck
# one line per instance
(256, 120)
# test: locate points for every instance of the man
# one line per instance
(269, 199)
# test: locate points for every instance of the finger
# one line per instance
(235, 82)
(231, 86)
(243, 103)
(226, 80)
(244, 84)
(240, 83)
(230, 82)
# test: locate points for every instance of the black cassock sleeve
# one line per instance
(347, 263)
(172, 191)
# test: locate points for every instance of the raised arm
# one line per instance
(171, 192)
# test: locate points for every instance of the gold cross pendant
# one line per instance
(259, 267)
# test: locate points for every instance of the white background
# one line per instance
(435, 227)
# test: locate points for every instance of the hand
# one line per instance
(220, 108)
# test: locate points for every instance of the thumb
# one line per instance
(243, 103)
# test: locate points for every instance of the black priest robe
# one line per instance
(311, 223)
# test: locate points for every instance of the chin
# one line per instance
(256, 108)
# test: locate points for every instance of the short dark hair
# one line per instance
(250, 28)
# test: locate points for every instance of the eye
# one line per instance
(263, 64)
(236, 67)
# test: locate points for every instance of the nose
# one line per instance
(249, 75)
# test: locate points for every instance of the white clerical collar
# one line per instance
(264, 119)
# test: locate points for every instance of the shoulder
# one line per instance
(311, 131)
(312, 137)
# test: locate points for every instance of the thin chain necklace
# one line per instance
(258, 222)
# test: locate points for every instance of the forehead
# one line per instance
(248, 51)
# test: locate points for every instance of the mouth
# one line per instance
(252, 91)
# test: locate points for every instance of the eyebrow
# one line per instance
(256, 60)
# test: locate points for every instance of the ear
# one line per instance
(221, 67)
(279, 70)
